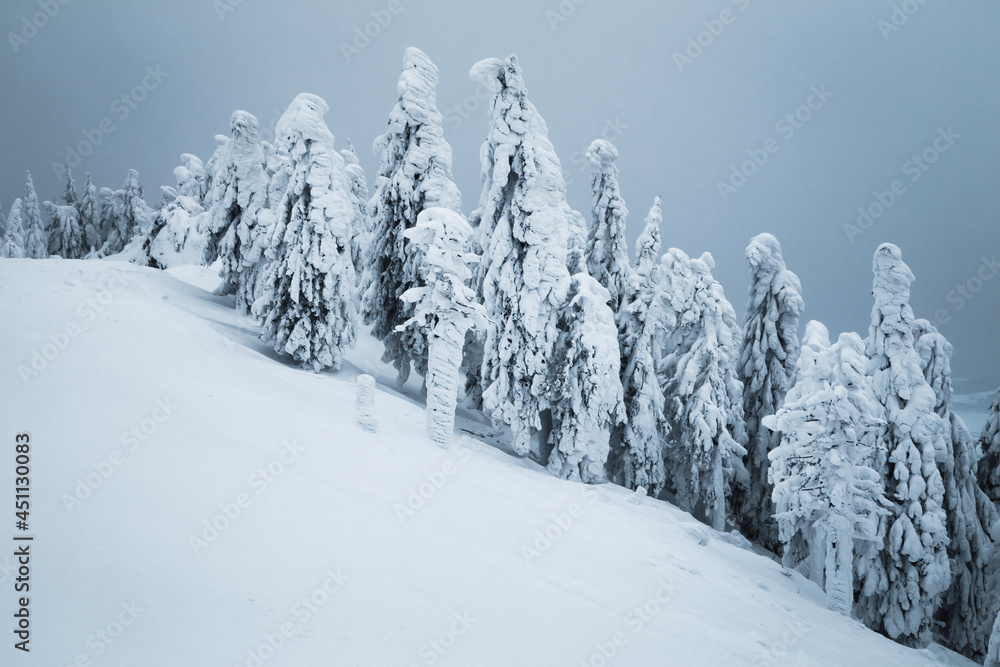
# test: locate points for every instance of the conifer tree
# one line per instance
(12, 245)
(305, 301)
(64, 232)
(607, 250)
(90, 217)
(414, 174)
(768, 355)
(989, 443)
(36, 242)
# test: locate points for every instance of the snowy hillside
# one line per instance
(155, 414)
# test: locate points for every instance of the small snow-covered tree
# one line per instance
(989, 442)
(523, 224)
(586, 391)
(901, 594)
(191, 179)
(69, 195)
(445, 306)
(636, 458)
(90, 217)
(969, 605)
(361, 240)
(130, 217)
(64, 232)
(703, 397)
(305, 300)
(768, 355)
(414, 174)
(607, 250)
(825, 493)
(240, 220)
(12, 245)
(35, 241)
(110, 215)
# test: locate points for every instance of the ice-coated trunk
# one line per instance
(444, 360)
(839, 564)
(364, 403)
(717, 499)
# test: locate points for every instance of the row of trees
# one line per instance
(845, 456)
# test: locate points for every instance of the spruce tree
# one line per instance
(90, 217)
(607, 250)
(69, 195)
(703, 397)
(586, 394)
(65, 233)
(902, 591)
(305, 302)
(989, 443)
(414, 174)
(523, 226)
(13, 240)
(768, 355)
(36, 242)
(361, 241)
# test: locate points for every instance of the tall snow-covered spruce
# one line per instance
(706, 444)
(65, 233)
(636, 458)
(12, 245)
(523, 225)
(445, 306)
(305, 301)
(607, 250)
(969, 605)
(36, 244)
(415, 174)
(902, 589)
(90, 216)
(240, 219)
(768, 355)
(586, 391)
(826, 494)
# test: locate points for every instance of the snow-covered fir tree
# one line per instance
(993, 653)
(69, 195)
(305, 300)
(825, 493)
(361, 240)
(12, 244)
(607, 249)
(90, 217)
(969, 606)
(65, 233)
(445, 306)
(35, 241)
(110, 213)
(129, 215)
(240, 220)
(768, 355)
(989, 443)
(703, 397)
(414, 174)
(636, 458)
(191, 179)
(902, 590)
(180, 228)
(586, 391)
(523, 224)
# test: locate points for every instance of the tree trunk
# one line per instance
(444, 360)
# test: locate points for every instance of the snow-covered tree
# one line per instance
(361, 240)
(523, 224)
(607, 250)
(414, 174)
(901, 592)
(12, 244)
(768, 355)
(240, 220)
(110, 213)
(703, 397)
(825, 493)
(65, 234)
(69, 195)
(636, 458)
(969, 605)
(445, 306)
(191, 179)
(90, 217)
(35, 241)
(989, 442)
(129, 217)
(586, 391)
(305, 300)
(178, 236)
(993, 654)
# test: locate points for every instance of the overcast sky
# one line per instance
(883, 88)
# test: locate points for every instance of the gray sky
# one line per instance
(887, 91)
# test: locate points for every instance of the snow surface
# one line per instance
(456, 565)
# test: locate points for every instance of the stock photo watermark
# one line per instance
(31, 25)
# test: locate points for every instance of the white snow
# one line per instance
(454, 572)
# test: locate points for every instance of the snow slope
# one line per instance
(318, 559)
